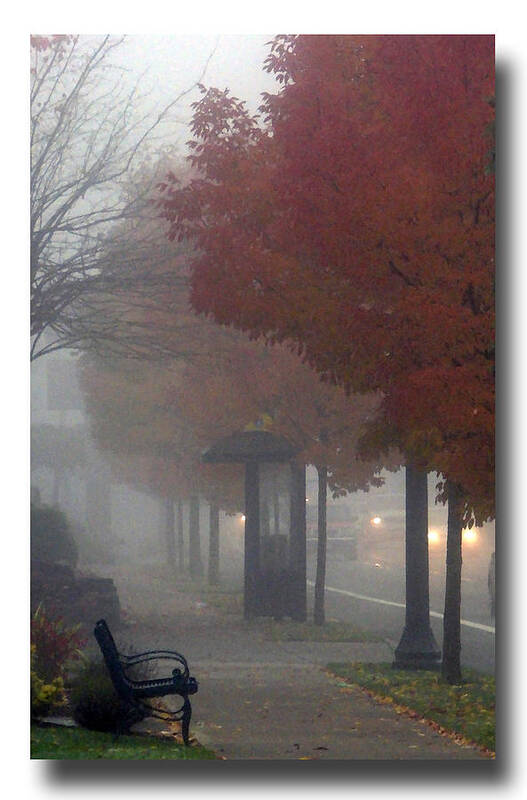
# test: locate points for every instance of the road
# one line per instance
(372, 595)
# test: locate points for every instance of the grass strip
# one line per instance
(466, 710)
(331, 631)
(229, 599)
(57, 742)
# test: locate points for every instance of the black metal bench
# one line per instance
(135, 692)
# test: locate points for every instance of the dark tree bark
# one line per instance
(320, 578)
(451, 664)
(214, 544)
(195, 563)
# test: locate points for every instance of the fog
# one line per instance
(168, 564)
(171, 63)
(162, 67)
(132, 526)
(131, 529)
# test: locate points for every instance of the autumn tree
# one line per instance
(174, 410)
(152, 448)
(147, 315)
(244, 381)
(356, 219)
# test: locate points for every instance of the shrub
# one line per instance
(51, 536)
(44, 695)
(55, 645)
(95, 703)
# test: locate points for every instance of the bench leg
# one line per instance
(185, 721)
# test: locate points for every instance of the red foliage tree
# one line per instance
(358, 223)
(154, 420)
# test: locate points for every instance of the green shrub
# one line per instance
(95, 703)
(44, 695)
(51, 536)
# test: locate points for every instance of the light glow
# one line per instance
(376, 521)
(470, 535)
(433, 536)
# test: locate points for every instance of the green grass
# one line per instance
(467, 709)
(331, 631)
(75, 743)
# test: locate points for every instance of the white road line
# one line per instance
(479, 626)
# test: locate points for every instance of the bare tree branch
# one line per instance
(88, 138)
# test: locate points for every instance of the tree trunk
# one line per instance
(451, 664)
(320, 579)
(297, 544)
(417, 648)
(194, 555)
(170, 532)
(214, 544)
(180, 546)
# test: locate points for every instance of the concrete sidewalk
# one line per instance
(260, 699)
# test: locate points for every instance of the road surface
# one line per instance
(372, 596)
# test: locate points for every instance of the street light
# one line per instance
(433, 536)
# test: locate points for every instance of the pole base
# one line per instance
(418, 661)
(417, 650)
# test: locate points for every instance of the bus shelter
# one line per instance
(275, 522)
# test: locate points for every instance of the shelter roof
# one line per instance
(254, 445)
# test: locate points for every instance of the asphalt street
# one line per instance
(373, 597)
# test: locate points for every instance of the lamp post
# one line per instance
(418, 648)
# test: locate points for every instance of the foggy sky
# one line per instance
(168, 65)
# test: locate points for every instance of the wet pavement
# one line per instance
(261, 699)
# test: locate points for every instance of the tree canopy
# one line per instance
(354, 218)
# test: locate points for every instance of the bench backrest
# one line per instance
(111, 657)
